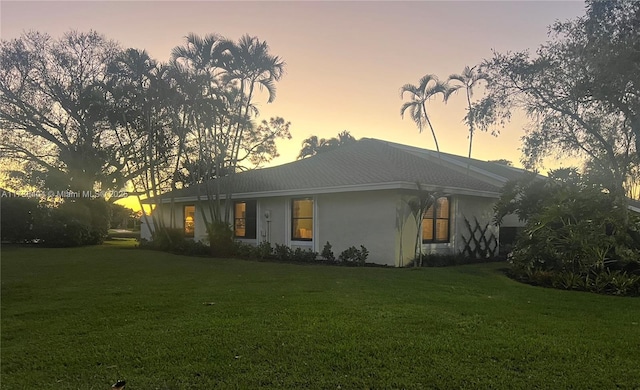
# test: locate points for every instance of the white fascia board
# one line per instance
(348, 188)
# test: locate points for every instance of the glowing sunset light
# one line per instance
(345, 61)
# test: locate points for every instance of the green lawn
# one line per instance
(81, 318)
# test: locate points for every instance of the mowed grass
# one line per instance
(81, 318)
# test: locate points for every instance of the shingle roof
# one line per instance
(499, 172)
(366, 162)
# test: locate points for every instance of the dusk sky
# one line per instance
(346, 61)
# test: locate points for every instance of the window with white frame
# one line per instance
(189, 220)
(436, 222)
(302, 219)
(244, 219)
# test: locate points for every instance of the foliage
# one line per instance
(17, 216)
(60, 230)
(312, 145)
(221, 239)
(173, 240)
(165, 239)
(282, 252)
(353, 256)
(262, 251)
(304, 255)
(467, 80)
(502, 161)
(573, 228)
(144, 113)
(219, 78)
(418, 206)
(327, 253)
(428, 87)
(52, 110)
(578, 91)
(87, 115)
(122, 217)
(73, 223)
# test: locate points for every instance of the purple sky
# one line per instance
(345, 60)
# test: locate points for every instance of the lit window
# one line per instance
(302, 219)
(244, 217)
(435, 223)
(189, 221)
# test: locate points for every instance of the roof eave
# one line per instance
(398, 185)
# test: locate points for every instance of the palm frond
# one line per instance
(270, 86)
(425, 80)
(409, 88)
(405, 106)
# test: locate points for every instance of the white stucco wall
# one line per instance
(379, 220)
(272, 230)
(462, 206)
(471, 208)
(359, 218)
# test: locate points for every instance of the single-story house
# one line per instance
(357, 194)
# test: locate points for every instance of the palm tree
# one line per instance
(469, 78)
(418, 207)
(428, 87)
(312, 145)
(251, 64)
(344, 137)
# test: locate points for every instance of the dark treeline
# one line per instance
(81, 113)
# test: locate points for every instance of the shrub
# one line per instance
(58, 230)
(577, 234)
(221, 239)
(264, 250)
(282, 252)
(167, 239)
(17, 219)
(304, 255)
(353, 256)
(327, 253)
(245, 251)
(99, 213)
(248, 251)
(73, 223)
(173, 240)
(194, 248)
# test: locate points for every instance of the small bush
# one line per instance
(282, 252)
(221, 239)
(264, 250)
(166, 239)
(194, 248)
(245, 251)
(17, 219)
(58, 231)
(304, 255)
(173, 240)
(327, 253)
(353, 256)
(597, 280)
